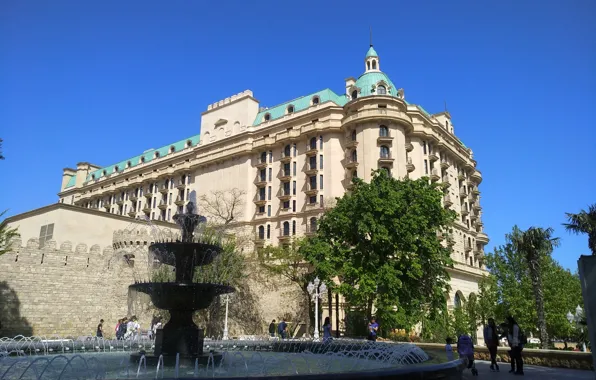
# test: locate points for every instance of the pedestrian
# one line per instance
(272, 329)
(281, 328)
(373, 328)
(449, 348)
(516, 342)
(327, 330)
(491, 338)
(99, 333)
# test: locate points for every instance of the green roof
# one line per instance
(71, 181)
(369, 81)
(147, 156)
(371, 53)
(300, 104)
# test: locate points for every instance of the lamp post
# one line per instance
(225, 333)
(577, 317)
(316, 289)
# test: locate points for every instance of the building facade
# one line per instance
(290, 160)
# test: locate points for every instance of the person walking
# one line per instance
(373, 328)
(281, 328)
(272, 329)
(326, 330)
(99, 333)
(514, 338)
(491, 338)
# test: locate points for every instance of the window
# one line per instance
(457, 300)
(313, 182)
(321, 182)
(261, 210)
(385, 153)
(294, 149)
(116, 168)
(321, 142)
(381, 90)
(287, 151)
(383, 131)
(354, 156)
(374, 64)
(294, 188)
(294, 206)
(287, 169)
(261, 232)
(104, 173)
(321, 200)
(261, 194)
(270, 173)
(172, 149)
(92, 176)
(156, 154)
(45, 234)
(188, 143)
(269, 193)
(294, 171)
(354, 135)
(312, 162)
(313, 143)
(169, 214)
(354, 94)
(268, 231)
(293, 227)
(424, 147)
(286, 188)
(355, 174)
(321, 162)
(267, 117)
(263, 175)
(312, 200)
(315, 100)
(263, 157)
(268, 214)
(128, 164)
(290, 109)
(425, 167)
(270, 156)
(286, 228)
(286, 205)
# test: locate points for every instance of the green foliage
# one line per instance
(438, 328)
(6, 235)
(382, 241)
(584, 222)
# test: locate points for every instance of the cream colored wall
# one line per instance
(232, 115)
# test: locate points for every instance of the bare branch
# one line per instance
(224, 207)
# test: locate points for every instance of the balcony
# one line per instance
(262, 201)
(385, 139)
(107, 205)
(261, 181)
(163, 205)
(467, 247)
(464, 211)
(445, 165)
(312, 151)
(163, 189)
(440, 235)
(286, 159)
(285, 196)
(313, 205)
(132, 213)
(285, 176)
(147, 209)
(311, 170)
(261, 164)
(482, 238)
(179, 201)
(149, 194)
(478, 253)
(479, 224)
(285, 236)
(476, 176)
(410, 166)
(120, 201)
(445, 182)
(311, 229)
(433, 157)
(447, 201)
(462, 192)
(180, 185)
(133, 197)
(473, 217)
(476, 206)
(311, 190)
(434, 175)
(351, 143)
(475, 192)
(461, 176)
(409, 147)
(351, 164)
(386, 159)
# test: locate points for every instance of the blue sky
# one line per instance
(101, 81)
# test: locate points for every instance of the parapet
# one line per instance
(228, 100)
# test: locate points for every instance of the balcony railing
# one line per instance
(162, 205)
(311, 189)
(286, 158)
(433, 157)
(179, 201)
(410, 166)
(385, 158)
(445, 164)
(463, 192)
(285, 235)
(163, 189)
(351, 163)
(434, 175)
(467, 247)
(311, 229)
(147, 208)
(351, 143)
(409, 147)
(447, 202)
(285, 175)
(180, 185)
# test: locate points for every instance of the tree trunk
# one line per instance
(310, 312)
(536, 278)
(337, 315)
(369, 309)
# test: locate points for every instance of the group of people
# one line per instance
(515, 339)
(127, 328)
(282, 329)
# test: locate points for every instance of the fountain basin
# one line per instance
(194, 254)
(181, 296)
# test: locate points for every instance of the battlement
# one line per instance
(228, 100)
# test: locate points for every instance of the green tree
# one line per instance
(535, 243)
(384, 247)
(7, 233)
(486, 306)
(584, 222)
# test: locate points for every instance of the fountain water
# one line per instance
(182, 298)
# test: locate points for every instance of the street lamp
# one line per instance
(579, 312)
(316, 289)
(225, 333)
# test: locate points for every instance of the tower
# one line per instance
(371, 61)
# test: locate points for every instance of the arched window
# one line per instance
(355, 174)
(142, 159)
(368, 65)
(313, 143)
(374, 64)
(172, 149)
(290, 109)
(116, 168)
(287, 151)
(385, 152)
(267, 117)
(354, 156)
(92, 176)
(263, 157)
(381, 90)
(156, 154)
(188, 143)
(268, 231)
(383, 131)
(293, 227)
(286, 228)
(457, 301)
(354, 94)
(105, 173)
(354, 135)
(313, 224)
(315, 100)
(261, 232)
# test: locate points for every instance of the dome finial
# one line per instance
(370, 34)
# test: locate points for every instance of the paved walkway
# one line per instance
(530, 371)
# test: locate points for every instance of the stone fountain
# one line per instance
(182, 298)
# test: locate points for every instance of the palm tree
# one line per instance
(534, 244)
(584, 223)
(6, 235)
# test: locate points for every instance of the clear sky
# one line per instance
(102, 81)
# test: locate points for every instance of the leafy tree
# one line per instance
(584, 222)
(534, 244)
(6, 235)
(486, 306)
(383, 244)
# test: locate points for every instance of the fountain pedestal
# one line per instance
(180, 336)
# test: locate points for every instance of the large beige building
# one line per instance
(288, 160)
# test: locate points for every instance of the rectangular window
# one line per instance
(268, 231)
(269, 210)
(321, 161)
(294, 188)
(321, 142)
(294, 150)
(263, 175)
(261, 209)
(294, 206)
(170, 196)
(321, 182)
(312, 162)
(270, 156)
(425, 167)
(153, 215)
(287, 169)
(270, 173)
(286, 188)
(294, 171)
(430, 148)
(313, 199)
(424, 147)
(262, 194)
(187, 194)
(269, 193)
(125, 208)
(286, 205)
(169, 214)
(313, 182)
(154, 201)
(46, 233)
(321, 200)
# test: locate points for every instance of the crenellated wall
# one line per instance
(61, 290)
